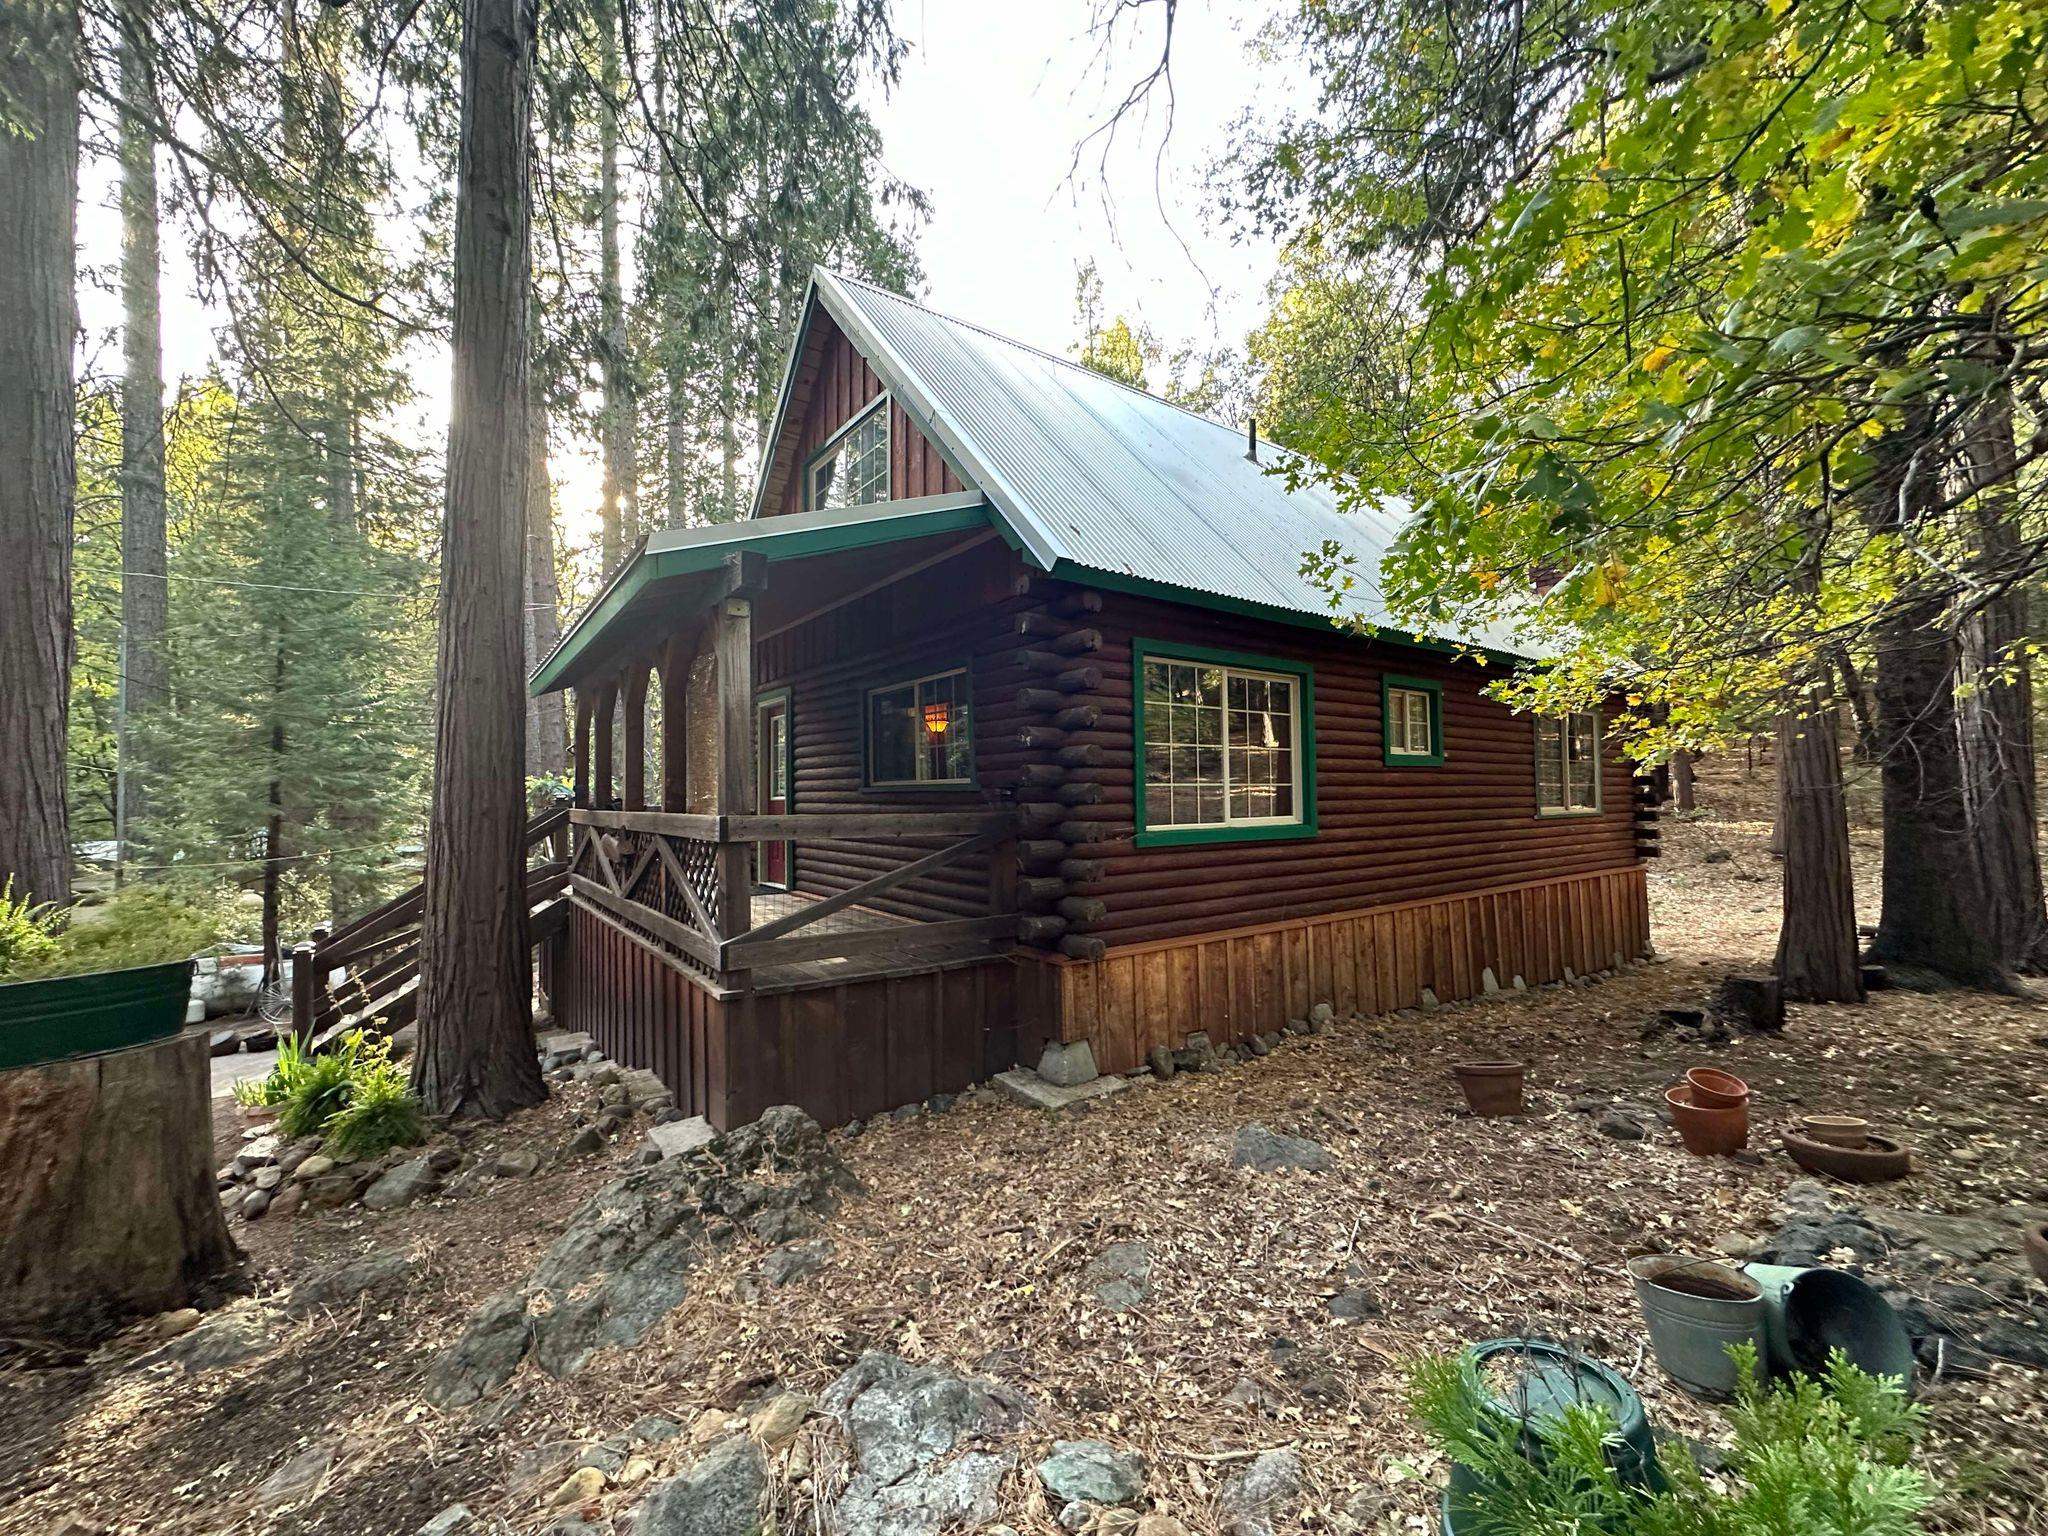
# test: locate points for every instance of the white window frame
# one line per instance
(1294, 756)
(1564, 765)
(1430, 747)
(867, 727)
(825, 451)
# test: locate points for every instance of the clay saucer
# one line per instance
(1879, 1159)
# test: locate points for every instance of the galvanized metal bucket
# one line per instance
(1691, 1330)
(1810, 1312)
(66, 1016)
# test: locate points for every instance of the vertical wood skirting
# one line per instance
(1253, 980)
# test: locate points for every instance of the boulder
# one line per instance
(336, 1284)
(776, 1422)
(1092, 1470)
(486, 1354)
(679, 1138)
(1355, 1305)
(1266, 1492)
(518, 1163)
(1068, 1065)
(1121, 1276)
(1160, 1060)
(796, 1261)
(298, 1480)
(237, 1333)
(722, 1495)
(1621, 1124)
(923, 1444)
(1268, 1152)
(402, 1185)
(455, 1520)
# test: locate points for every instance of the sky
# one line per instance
(995, 97)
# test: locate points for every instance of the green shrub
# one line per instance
(275, 1086)
(1816, 1457)
(26, 936)
(381, 1115)
(142, 925)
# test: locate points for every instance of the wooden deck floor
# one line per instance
(912, 954)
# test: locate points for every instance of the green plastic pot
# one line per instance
(67, 1016)
(1809, 1312)
(1553, 1379)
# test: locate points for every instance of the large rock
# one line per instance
(402, 1185)
(926, 1447)
(1269, 1152)
(722, 1495)
(486, 1355)
(1267, 1491)
(1121, 1276)
(298, 1480)
(1069, 1065)
(237, 1333)
(1092, 1470)
(621, 1310)
(335, 1285)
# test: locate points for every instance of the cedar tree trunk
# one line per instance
(1681, 781)
(145, 601)
(38, 326)
(476, 1053)
(547, 732)
(1817, 958)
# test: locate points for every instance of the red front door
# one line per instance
(771, 779)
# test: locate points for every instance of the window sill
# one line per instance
(923, 787)
(1568, 814)
(1182, 837)
(1414, 760)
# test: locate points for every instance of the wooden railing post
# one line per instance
(305, 989)
(583, 712)
(732, 636)
(633, 792)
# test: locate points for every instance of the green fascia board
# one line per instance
(1274, 613)
(1393, 759)
(1266, 832)
(692, 551)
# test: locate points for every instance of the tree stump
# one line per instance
(1754, 1002)
(107, 1202)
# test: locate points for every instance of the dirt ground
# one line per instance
(972, 1243)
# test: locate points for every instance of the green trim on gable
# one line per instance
(1305, 749)
(1388, 755)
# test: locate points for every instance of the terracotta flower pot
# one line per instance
(1850, 1131)
(1878, 1160)
(1491, 1087)
(1715, 1089)
(1707, 1132)
(2036, 1244)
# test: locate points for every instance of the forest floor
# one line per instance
(973, 1241)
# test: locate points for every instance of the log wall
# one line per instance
(1254, 979)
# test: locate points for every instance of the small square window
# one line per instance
(1412, 722)
(921, 732)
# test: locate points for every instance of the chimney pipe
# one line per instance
(1251, 438)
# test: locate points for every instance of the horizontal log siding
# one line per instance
(959, 611)
(1387, 834)
(838, 383)
(1255, 980)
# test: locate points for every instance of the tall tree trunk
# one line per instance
(1682, 787)
(1998, 710)
(476, 1053)
(1936, 916)
(621, 515)
(38, 326)
(1862, 706)
(145, 601)
(547, 736)
(1817, 958)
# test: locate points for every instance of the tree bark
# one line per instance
(1936, 918)
(476, 1053)
(621, 473)
(108, 1210)
(547, 738)
(1817, 957)
(1998, 709)
(38, 477)
(145, 601)
(1681, 781)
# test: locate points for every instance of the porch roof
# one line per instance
(675, 570)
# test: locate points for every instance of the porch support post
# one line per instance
(601, 773)
(583, 747)
(732, 638)
(635, 702)
(676, 658)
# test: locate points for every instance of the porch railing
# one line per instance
(663, 876)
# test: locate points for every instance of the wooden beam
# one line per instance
(633, 795)
(732, 639)
(866, 941)
(676, 658)
(601, 727)
(583, 710)
(686, 939)
(706, 829)
(830, 826)
(854, 895)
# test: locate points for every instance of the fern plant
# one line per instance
(381, 1113)
(1826, 1456)
(27, 936)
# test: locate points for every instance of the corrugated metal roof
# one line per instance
(1090, 473)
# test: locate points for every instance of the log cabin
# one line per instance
(1008, 718)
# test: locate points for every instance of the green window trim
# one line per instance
(1391, 755)
(964, 670)
(1143, 651)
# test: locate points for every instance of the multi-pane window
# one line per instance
(854, 470)
(921, 732)
(1567, 763)
(1220, 746)
(1413, 723)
